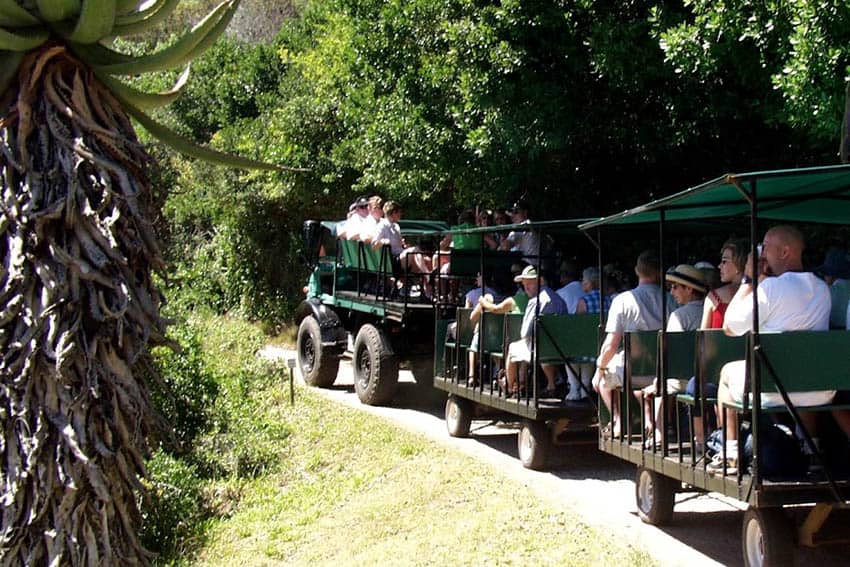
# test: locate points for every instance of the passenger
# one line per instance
(592, 299)
(687, 285)
(835, 271)
(483, 219)
(789, 299)
(519, 352)
(370, 224)
(472, 299)
(636, 310)
(571, 289)
(353, 225)
(589, 303)
(525, 241)
(388, 233)
(733, 255)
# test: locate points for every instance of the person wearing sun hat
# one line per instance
(688, 288)
(519, 352)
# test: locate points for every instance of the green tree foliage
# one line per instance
(587, 106)
(791, 59)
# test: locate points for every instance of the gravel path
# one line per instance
(600, 488)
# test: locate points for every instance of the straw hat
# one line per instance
(687, 275)
(528, 273)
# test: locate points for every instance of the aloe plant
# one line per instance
(78, 307)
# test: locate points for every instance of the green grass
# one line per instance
(320, 483)
(354, 489)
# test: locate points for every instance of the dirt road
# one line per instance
(706, 530)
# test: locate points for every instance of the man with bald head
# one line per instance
(789, 299)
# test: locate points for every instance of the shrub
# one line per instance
(173, 510)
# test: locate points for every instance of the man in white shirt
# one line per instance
(525, 241)
(353, 226)
(572, 289)
(638, 309)
(789, 299)
(388, 233)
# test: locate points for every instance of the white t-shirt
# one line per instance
(369, 227)
(686, 318)
(527, 242)
(571, 293)
(392, 232)
(794, 301)
(638, 309)
(354, 226)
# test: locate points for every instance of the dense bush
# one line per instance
(173, 508)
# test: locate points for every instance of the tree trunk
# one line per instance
(77, 310)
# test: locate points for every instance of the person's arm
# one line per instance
(476, 312)
(739, 314)
(505, 306)
(708, 308)
(581, 307)
(609, 348)
(489, 241)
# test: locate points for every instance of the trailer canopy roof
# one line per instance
(815, 194)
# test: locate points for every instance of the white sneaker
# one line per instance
(718, 461)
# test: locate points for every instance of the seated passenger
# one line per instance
(485, 218)
(590, 302)
(370, 224)
(733, 255)
(519, 352)
(638, 309)
(388, 233)
(353, 225)
(473, 299)
(687, 285)
(525, 241)
(571, 289)
(835, 271)
(789, 299)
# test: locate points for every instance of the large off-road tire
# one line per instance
(318, 367)
(375, 366)
(655, 495)
(767, 538)
(533, 444)
(458, 416)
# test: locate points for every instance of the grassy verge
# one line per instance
(340, 486)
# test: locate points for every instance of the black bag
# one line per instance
(781, 454)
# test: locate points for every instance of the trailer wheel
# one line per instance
(655, 495)
(533, 444)
(767, 538)
(318, 367)
(458, 416)
(375, 366)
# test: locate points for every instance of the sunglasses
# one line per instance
(362, 206)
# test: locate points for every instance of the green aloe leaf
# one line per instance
(190, 148)
(188, 47)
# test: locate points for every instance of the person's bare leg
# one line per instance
(842, 417)
(472, 367)
(511, 375)
(551, 372)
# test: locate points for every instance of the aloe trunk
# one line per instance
(78, 307)
(78, 310)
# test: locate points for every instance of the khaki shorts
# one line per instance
(734, 373)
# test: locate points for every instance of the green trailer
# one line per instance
(781, 362)
(561, 340)
(353, 300)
